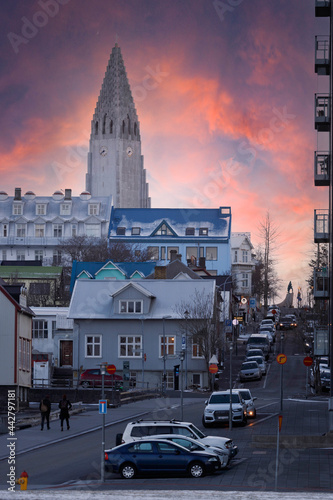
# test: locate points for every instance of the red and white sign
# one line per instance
(111, 369)
(308, 361)
(213, 368)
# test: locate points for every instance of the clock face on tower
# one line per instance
(103, 151)
(129, 151)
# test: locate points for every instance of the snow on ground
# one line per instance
(157, 495)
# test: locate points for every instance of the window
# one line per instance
(24, 354)
(39, 288)
(39, 230)
(130, 346)
(211, 253)
(39, 255)
(141, 448)
(40, 209)
(93, 230)
(20, 254)
(172, 248)
(191, 252)
(39, 329)
(203, 231)
(65, 209)
(4, 231)
(136, 231)
(93, 209)
(169, 345)
(4, 254)
(74, 229)
(236, 256)
(162, 253)
(56, 258)
(121, 231)
(130, 306)
(93, 346)
(189, 231)
(54, 328)
(197, 351)
(245, 280)
(245, 255)
(20, 230)
(17, 208)
(153, 253)
(57, 230)
(163, 231)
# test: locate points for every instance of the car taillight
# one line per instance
(106, 456)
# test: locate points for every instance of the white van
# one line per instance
(259, 341)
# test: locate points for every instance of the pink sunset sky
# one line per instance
(224, 92)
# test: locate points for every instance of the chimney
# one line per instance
(173, 255)
(17, 194)
(160, 273)
(68, 194)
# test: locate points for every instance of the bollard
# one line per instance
(23, 480)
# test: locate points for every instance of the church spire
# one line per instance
(115, 164)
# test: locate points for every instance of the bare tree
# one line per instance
(199, 320)
(269, 234)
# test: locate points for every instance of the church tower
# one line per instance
(115, 163)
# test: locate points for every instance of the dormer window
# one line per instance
(40, 208)
(136, 231)
(93, 209)
(189, 231)
(163, 231)
(203, 231)
(121, 231)
(17, 208)
(130, 306)
(65, 209)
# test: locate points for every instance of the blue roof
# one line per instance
(217, 220)
(92, 268)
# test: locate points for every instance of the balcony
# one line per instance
(322, 112)
(322, 168)
(322, 55)
(321, 283)
(322, 8)
(321, 226)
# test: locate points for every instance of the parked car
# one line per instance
(143, 428)
(261, 362)
(267, 322)
(93, 378)
(255, 352)
(218, 407)
(261, 341)
(194, 445)
(249, 400)
(269, 335)
(268, 328)
(250, 370)
(158, 455)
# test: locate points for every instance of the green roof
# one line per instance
(33, 272)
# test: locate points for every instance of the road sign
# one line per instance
(235, 322)
(103, 405)
(228, 322)
(308, 361)
(281, 359)
(111, 369)
(213, 368)
(274, 311)
(243, 300)
(183, 342)
(252, 302)
(213, 360)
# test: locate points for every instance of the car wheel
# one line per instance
(85, 384)
(196, 469)
(128, 471)
(205, 424)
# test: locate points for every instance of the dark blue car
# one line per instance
(158, 455)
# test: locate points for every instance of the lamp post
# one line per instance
(186, 314)
(143, 355)
(103, 370)
(230, 383)
(181, 357)
(164, 356)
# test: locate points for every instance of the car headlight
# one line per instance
(213, 459)
(209, 411)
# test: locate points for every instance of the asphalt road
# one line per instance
(75, 463)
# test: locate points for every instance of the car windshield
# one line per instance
(257, 340)
(245, 395)
(223, 398)
(197, 431)
(250, 365)
(258, 359)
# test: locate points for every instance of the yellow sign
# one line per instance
(281, 359)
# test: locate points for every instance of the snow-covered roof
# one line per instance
(94, 298)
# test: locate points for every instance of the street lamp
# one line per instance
(186, 314)
(143, 355)
(164, 355)
(103, 370)
(181, 357)
(230, 383)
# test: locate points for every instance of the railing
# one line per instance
(322, 112)
(321, 226)
(322, 55)
(322, 168)
(321, 283)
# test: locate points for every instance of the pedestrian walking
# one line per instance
(64, 406)
(45, 410)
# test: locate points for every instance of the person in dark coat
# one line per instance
(64, 406)
(45, 410)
